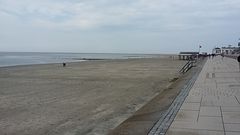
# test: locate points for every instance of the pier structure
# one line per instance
(187, 55)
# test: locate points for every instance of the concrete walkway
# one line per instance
(213, 104)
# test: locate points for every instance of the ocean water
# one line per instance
(29, 58)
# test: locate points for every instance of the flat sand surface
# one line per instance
(89, 97)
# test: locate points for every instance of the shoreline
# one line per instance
(19, 58)
(40, 64)
(79, 60)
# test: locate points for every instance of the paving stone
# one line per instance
(230, 109)
(205, 123)
(231, 117)
(232, 127)
(229, 101)
(193, 99)
(210, 111)
(185, 115)
(190, 106)
(210, 123)
(219, 100)
(210, 101)
(232, 133)
(193, 132)
(183, 124)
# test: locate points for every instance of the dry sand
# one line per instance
(89, 97)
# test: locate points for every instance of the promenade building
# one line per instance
(229, 50)
(217, 50)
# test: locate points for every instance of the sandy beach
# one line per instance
(90, 97)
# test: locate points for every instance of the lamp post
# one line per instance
(199, 49)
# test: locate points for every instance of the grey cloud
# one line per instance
(119, 24)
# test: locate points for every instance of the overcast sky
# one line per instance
(118, 26)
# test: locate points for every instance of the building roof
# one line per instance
(229, 47)
(191, 53)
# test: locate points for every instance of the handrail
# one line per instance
(187, 66)
(182, 69)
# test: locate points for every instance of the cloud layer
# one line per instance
(166, 18)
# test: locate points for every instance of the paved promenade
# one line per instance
(213, 104)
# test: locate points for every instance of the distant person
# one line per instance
(222, 56)
(64, 64)
(238, 59)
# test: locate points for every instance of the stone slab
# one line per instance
(190, 106)
(231, 117)
(193, 132)
(232, 127)
(210, 111)
(185, 115)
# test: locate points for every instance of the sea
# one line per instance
(30, 58)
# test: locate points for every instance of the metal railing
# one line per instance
(187, 66)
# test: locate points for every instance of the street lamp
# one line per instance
(199, 48)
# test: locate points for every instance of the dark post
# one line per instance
(238, 59)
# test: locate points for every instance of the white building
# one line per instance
(226, 50)
(229, 50)
(216, 50)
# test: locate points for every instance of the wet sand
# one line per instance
(91, 97)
